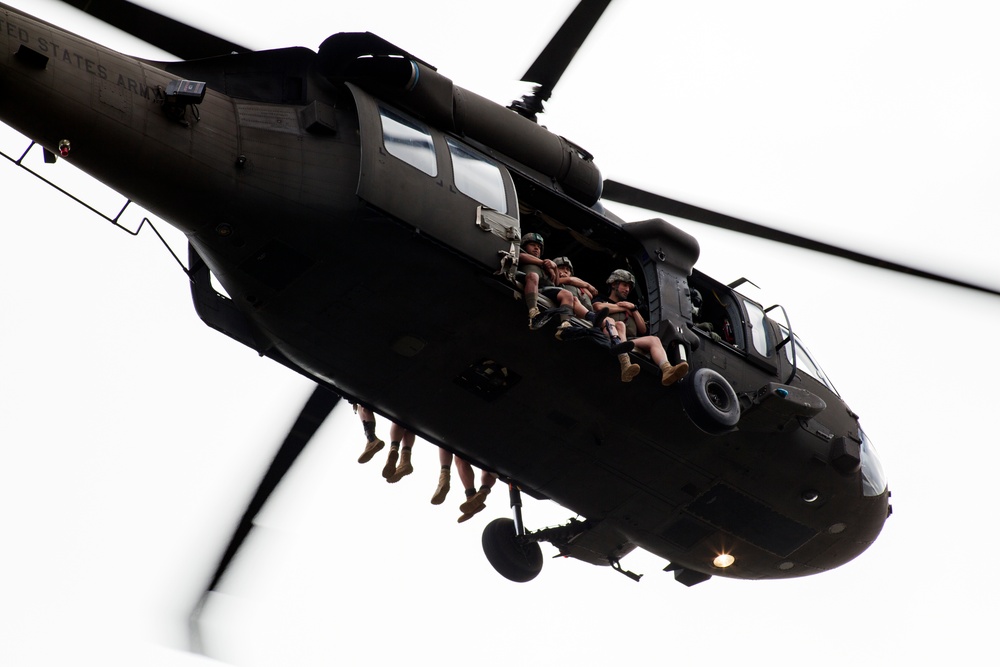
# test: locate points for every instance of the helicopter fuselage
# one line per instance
(365, 225)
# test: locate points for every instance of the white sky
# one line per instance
(131, 435)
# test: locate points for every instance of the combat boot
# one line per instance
(371, 449)
(474, 501)
(390, 463)
(471, 513)
(629, 370)
(403, 469)
(563, 328)
(444, 485)
(671, 374)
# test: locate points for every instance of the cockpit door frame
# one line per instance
(769, 359)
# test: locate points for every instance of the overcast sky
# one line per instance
(131, 435)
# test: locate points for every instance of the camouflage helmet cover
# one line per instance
(621, 275)
(532, 237)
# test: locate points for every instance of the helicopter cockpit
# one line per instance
(715, 310)
(728, 318)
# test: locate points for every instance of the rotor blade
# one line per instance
(548, 68)
(316, 410)
(172, 36)
(632, 196)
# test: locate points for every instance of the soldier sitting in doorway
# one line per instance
(627, 322)
(566, 279)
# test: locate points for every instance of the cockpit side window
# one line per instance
(760, 332)
(409, 141)
(477, 177)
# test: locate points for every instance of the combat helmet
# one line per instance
(621, 275)
(564, 261)
(532, 237)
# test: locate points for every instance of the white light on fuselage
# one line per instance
(723, 560)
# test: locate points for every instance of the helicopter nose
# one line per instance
(867, 515)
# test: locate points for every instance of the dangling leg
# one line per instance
(531, 296)
(374, 444)
(444, 479)
(616, 332)
(405, 467)
(668, 374)
(468, 478)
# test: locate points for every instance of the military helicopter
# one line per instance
(276, 279)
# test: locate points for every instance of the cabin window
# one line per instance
(477, 177)
(760, 333)
(409, 141)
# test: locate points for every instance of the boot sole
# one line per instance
(440, 495)
(630, 372)
(468, 515)
(675, 373)
(390, 466)
(477, 500)
(371, 451)
(399, 473)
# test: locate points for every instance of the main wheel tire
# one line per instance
(512, 558)
(711, 402)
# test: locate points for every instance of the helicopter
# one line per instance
(281, 142)
(703, 431)
(875, 343)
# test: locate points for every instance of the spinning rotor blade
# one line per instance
(153, 28)
(626, 194)
(316, 410)
(550, 64)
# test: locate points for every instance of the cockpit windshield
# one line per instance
(804, 360)
(873, 482)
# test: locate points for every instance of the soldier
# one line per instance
(628, 323)
(566, 279)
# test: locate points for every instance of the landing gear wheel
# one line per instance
(510, 557)
(711, 402)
